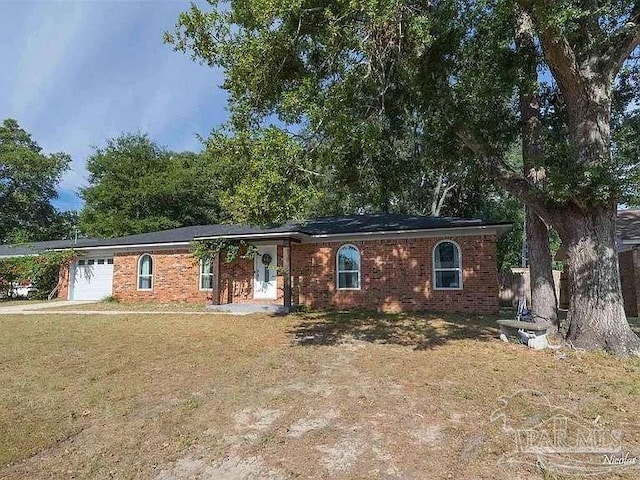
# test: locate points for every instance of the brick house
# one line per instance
(628, 245)
(378, 262)
(628, 249)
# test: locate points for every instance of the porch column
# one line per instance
(215, 294)
(286, 264)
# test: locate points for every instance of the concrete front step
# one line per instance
(251, 308)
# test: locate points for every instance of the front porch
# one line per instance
(254, 285)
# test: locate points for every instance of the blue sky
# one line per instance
(75, 73)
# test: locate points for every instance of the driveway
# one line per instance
(30, 306)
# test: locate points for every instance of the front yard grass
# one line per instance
(303, 396)
(115, 306)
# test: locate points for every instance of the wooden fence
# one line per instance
(512, 282)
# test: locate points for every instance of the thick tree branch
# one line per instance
(561, 57)
(509, 178)
(625, 41)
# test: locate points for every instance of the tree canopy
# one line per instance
(28, 181)
(135, 186)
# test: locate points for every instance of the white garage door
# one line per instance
(92, 278)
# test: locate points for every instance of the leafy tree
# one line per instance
(41, 271)
(28, 180)
(136, 187)
(454, 66)
(261, 176)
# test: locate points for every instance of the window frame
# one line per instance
(140, 275)
(202, 274)
(436, 270)
(358, 270)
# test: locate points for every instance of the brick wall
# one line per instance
(63, 282)
(236, 281)
(397, 275)
(176, 278)
(629, 282)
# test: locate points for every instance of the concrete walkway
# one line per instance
(27, 306)
(44, 308)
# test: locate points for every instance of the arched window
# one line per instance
(206, 274)
(447, 266)
(348, 268)
(145, 272)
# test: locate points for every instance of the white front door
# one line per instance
(91, 278)
(265, 275)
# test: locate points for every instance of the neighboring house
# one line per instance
(628, 245)
(382, 262)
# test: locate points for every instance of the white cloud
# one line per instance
(78, 73)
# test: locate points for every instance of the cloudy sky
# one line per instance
(74, 73)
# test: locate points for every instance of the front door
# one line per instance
(265, 275)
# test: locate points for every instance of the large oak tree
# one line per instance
(455, 67)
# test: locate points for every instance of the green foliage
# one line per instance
(233, 249)
(381, 90)
(261, 176)
(344, 77)
(41, 271)
(136, 187)
(506, 208)
(28, 180)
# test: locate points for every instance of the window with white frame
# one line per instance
(447, 266)
(348, 267)
(145, 272)
(206, 274)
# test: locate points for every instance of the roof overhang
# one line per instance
(499, 230)
(301, 237)
(137, 246)
(296, 236)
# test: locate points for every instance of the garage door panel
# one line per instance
(92, 279)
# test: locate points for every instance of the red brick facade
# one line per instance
(629, 262)
(396, 275)
(176, 278)
(63, 282)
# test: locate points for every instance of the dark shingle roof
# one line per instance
(175, 235)
(321, 226)
(32, 248)
(383, 223)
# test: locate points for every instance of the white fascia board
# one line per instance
(630, 242)
(23, 255)
(406, 234)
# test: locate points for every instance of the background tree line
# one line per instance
(267, 176)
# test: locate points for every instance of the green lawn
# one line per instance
(302, 396)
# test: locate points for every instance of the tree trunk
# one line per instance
(543, 293)
(596, 311)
